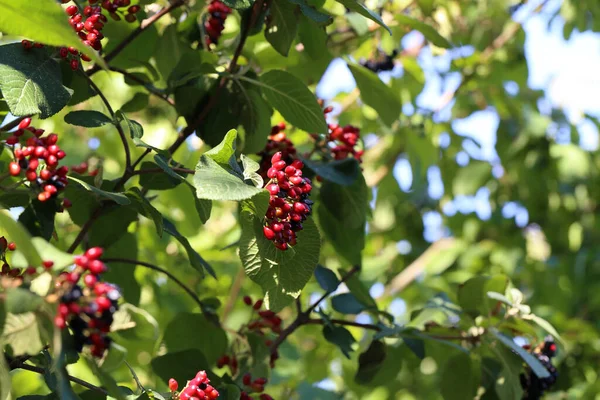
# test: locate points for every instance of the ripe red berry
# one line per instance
(258, 304)
(25, 123)
(12, 246)
(247, 379)
(96, 267)
(12, 140)
(71, 10)
(14, 168)
(59, 322)
(173, 385)
(48, 264)
(90, 280)
(94, 253)
(268, 232)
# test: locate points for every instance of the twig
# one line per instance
(40, 370)
(118, 126)
(85, 228)
(303, 317)
(143, 26)
(233, 294)
(159, 170)
(316, 321)
(151, 89)
(161, 270)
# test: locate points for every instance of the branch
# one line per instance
(118, 126)
(138, 31)
(303, 317)
(317, 321)
(40, 370)
(159, 269)
(159, 170)
(151, 89)
(85, 228)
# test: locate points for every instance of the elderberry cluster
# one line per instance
(289, 205)
(277, 142)
(215, 23)
(386, 63)
(37, 159)
(88, 23)
(87, 309)
(254, 386)
(198, 388)
(343, 140)
(534, 386)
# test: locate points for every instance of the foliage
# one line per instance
(171, 131)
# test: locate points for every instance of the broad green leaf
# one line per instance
(471, 178)
(377, 94)
(346, 303)
(356, 6)
(87, 118)
(177, 365)
(507, 384)
(359, 290)
(282, 26)
(21, 301)
(145, 208)
(22, 332)
(38, 218)
(134, 323)
(430, 33)
(25, 18)
(30, 80)
(343, 172)
(123, 274)
(118, 198)
(314, 39)
(547, 326)
(239, 4)
(342, 214)
(196, 261)
(14, 232)
(341, 337)
(213, 182)
(327, 279)
(281, 274)
(533, 362)
(138, 102)
(311, 12)
(194, 331)
(458, 369)
(256, 120)
(223, 152)
(370, 362)
(288, 95)
(472, 295)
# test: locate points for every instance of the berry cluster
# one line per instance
(277, 142)
(215, 23)
(385, 63)
(88, 23)
(342, 141)
(198, 388)
(267, 319)
(289, 204)
(38, 160)
(88, 310)
(254, 386)
(83, 168)
(534, 386)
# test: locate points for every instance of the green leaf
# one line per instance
(547, 326)
(343, 172)
(21, 301)
(282, 26)
(145, 208)
(346, 303)
(15, 232)
(472, 295)
(508, 385)
(327, 279)
(196, 261)
(250, 168)
(138, 102)
(281, 274)
(377, 94)
(458, 369)
(471, 178)
(22, 332)
(177, 365)
(354, 5)
(88, 119)
(311, 12)
(314, 39)
(134, 323)
(256, 120)
(238, 4)
(5, 379)
(428, 31)
(157, 181)
(360, 290)
(533, 362)
(107, 381)
(341, 337)
(194, 331)
(342, 214)
(38, 218)
(213, 182)
(25, 18)
(123, 274)
(370, 362)
(30, 80)
(223, 152)
(118, 198)
(292, 99)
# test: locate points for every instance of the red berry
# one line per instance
(90, 280)
(96, 267)
(94, 253)
(12, 140)
(48, 264)
(103, 303)
(14, 168)
(268, 232)
(258, 304)
(59, 322)
(173, 385)
(12, 246)
(72, 10)
(25, 123)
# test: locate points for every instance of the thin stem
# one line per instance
(347, 276)
(145, 24)
(161, 270)
(316, 321)
(85, 228)
(150, 88)
(40, 370)
(118, 126)
(159, 170)
(233, 294)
